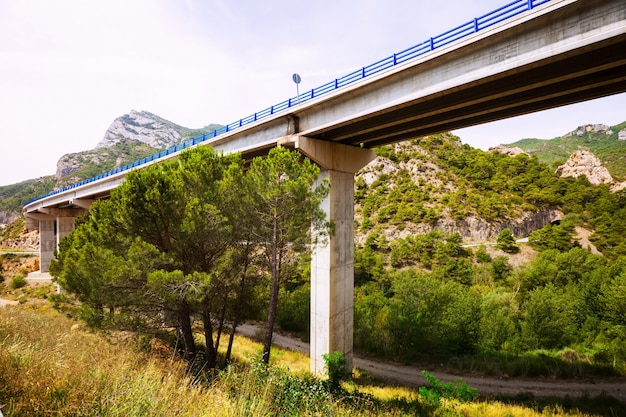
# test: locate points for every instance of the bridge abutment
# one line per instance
(332, 262)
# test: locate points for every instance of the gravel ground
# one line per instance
(486, 386)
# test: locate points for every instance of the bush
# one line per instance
(294, 312)
(458, 390)
(18, 281)
(335, 365)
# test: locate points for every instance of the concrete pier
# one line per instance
(332, 262)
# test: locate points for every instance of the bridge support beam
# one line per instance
(54, 225)
(47, 244)
(332, 263)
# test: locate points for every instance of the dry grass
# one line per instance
(49, 366)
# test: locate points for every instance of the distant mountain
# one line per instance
(150, 129)
(608, 143)
(130, 137)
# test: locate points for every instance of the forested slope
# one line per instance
(422, 294)
(607, 142)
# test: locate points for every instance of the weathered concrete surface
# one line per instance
(332, 262)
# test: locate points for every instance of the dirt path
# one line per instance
(411, 376)
(4, 302)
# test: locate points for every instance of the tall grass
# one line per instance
(49, 366)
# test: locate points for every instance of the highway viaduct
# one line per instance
(527, 56)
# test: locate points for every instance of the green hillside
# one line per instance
(433, 179)
(605, 145)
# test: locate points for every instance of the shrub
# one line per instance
(458, 390)
(294, 311)
(335, 365)
(506, 241)
(18, 281)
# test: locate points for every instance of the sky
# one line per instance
(69, 68)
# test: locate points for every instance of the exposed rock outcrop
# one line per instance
(621, 135)
(7, 216)
(144, 127)
(68, 164)
(597, 128)
(477, 230)
(585, 163)
(27, 241)
(506, 150)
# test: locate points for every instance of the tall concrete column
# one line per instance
(47, 243)
(65, 225)
(332, 275)
(54, 224)
(332, 263)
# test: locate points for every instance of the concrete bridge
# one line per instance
(527, 56)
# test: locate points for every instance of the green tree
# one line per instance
(549, 319)
(498, 323)
(283, 205)
(500, 268)
(554, 236)
(506, 241)
(157, 247)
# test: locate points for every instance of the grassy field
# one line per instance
(51, 366)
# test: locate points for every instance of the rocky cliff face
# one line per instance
(587, 164)
(473, 229)
(130, 129)
(423, 170)
(144, 127)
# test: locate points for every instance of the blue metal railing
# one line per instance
(496, 16)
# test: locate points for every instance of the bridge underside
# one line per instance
(585, 74)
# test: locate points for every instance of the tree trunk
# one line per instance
(211, 353)
(271, 316)
(184, 319)
(240, 295)
(220, 328)
(239, 302)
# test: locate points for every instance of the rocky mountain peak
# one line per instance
(585, 163)
(144, 127)
(596, 128)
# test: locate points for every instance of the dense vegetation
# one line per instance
(418, 297)
(177, 247)
(426, 297)
(608, 148)
(190, 240)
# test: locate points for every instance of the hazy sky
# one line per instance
(68, 68)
